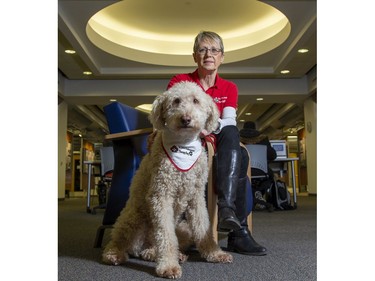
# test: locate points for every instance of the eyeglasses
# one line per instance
(213, 51)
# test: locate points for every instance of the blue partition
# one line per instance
(128, 154)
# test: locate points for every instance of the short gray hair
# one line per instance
(208, 35)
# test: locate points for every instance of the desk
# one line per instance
(130, 134)
(90, 165)
(280, 169)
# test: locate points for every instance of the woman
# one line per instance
(231, 159)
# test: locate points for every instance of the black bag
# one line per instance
(279, 196)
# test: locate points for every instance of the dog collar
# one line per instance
(183, 157)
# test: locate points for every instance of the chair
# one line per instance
(260, 173)
(129, 129)
(258, 160)
(107, 162)
(106, 171)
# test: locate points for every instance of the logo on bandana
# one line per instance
(184, 150)
(174, 149)
(183, 156)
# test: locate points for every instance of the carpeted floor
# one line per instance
(289, 236)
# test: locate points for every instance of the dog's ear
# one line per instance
(213, 116)
(156, 116)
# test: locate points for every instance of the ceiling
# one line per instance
(133, 82)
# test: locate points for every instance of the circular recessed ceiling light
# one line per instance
(285, 71)
(162, 32)
(70, 52)
(87, 72)
(302, 51)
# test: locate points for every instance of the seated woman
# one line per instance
(231, 159)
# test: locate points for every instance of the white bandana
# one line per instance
(183, 157)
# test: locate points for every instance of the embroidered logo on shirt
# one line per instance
(220, 99)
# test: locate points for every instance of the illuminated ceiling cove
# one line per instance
(154, 32)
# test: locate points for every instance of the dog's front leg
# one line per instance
(197, 216)
(167, 254)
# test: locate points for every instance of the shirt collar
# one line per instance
(218, 79)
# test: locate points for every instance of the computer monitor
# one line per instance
(280, 147)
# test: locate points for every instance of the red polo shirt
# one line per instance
(224, 92)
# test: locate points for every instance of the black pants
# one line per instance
(229, 139)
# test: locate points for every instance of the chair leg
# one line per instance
(250, 222)
(100, 234)
(250, 216)
(211, 195)
(212, 208)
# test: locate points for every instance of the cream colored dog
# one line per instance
(166, 210)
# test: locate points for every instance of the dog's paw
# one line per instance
(220, 257)
(170, 272)
(148, 254)
(114, 257)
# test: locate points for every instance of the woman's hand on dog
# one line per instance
(203, 133)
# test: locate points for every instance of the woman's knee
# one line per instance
(229, 137)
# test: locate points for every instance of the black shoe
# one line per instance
(227, 220)
(242, 242)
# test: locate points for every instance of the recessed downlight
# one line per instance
(147, 107)
(285, 71)
(259, 99)
(87, 72)
(302, 51)
(70, 52)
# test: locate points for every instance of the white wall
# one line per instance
(62, 129)
(311, 144)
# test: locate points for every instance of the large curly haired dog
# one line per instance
(166, 210)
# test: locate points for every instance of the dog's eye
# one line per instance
(177, 101)
(196, 101)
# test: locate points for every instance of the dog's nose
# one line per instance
(185, 120)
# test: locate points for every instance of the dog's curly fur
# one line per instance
(166, 210)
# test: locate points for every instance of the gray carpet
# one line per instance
(289, 236)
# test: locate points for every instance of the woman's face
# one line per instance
(206, 60)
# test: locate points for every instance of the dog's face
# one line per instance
(184, 108)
